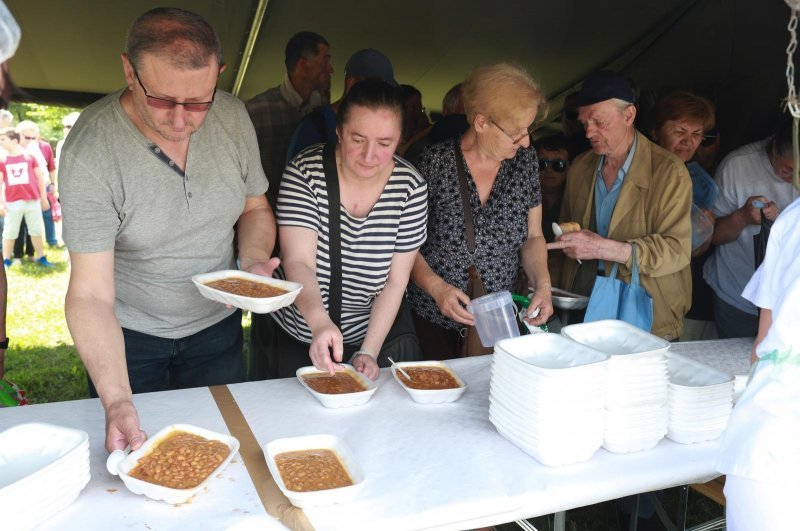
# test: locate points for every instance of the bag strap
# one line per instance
(634, 267)
(765, 222)
(469, 224)
(334, 234)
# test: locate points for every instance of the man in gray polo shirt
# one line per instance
(153, 179)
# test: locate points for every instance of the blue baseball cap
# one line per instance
(604, 85)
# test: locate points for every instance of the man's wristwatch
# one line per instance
(4, 344)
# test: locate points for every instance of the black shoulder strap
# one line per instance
(334, 234)
(469, 225)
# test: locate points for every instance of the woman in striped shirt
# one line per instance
(383, 223)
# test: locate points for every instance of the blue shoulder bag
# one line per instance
(612, 298)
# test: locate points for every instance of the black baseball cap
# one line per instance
(604, 85)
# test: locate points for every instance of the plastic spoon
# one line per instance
(396, 366)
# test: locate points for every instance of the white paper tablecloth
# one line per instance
(445, 466)
(106, 503)
(731, 356)
(437, 466)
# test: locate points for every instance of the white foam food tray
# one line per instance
(541, 399)
(314, 442)
(616, 338)
(121, 463)
(548, 455)
(341, 400)
(43, 469)
(566, 300)
(31, 450)
(580, 381)
(692, 437)
(431, 396)
(686, 372)
(254, 304)
(550, 352)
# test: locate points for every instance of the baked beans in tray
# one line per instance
(175, 463)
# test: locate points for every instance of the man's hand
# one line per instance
(751, 213)
(324, 340)
(122, 427)
(451, 302)
(366, 365)
(582, 245)
(262, 268)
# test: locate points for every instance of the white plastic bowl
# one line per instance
(121, 463)
(431, 396)
(254, 304)
(342, 400)
(317, 498)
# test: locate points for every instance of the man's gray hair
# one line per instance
(186, 38)
(622, 104)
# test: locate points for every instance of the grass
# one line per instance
(42, 360)
(41, 357)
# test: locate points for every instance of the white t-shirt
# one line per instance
(763, 434)
(744, 173)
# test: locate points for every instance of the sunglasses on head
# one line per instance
(558, 165)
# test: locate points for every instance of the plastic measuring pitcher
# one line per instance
(495, 317)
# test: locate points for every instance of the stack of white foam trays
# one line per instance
(43, 468)
(700, 400)
(546, 397)
(636, 399)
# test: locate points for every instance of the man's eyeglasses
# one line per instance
(163, 103)
(517, 139)
(67, 127)
(559, 165)
(29, 137)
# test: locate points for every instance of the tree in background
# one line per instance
(47, 117)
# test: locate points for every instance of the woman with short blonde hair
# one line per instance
(501, 171)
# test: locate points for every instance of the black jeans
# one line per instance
(732, 322)
(209, 357)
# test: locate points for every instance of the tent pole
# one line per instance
(251, 43)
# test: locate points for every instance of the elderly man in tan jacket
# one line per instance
(625, 192)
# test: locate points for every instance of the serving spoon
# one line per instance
(399, 368)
